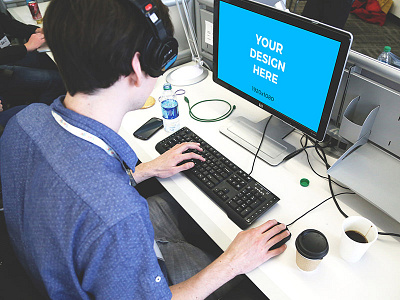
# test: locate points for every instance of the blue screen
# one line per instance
(280, 65)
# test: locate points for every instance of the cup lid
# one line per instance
(312, 244)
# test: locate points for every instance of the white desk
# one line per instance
(375, 276)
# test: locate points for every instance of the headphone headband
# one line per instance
(150, 11)
(161, 49)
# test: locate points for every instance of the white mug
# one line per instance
(350, 250)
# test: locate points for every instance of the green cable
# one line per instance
(224, 116)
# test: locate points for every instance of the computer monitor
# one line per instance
(283, 63)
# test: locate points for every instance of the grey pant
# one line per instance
(184, 246)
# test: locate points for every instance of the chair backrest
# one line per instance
(13, 3)
(3, 7)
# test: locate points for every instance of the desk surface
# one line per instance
(374, 276)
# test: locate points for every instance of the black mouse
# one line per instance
(283, 241)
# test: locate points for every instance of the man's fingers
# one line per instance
(266, 226)
(277, 238)
(185, 166)
(191, 155)
(187, 145)
(277, 251)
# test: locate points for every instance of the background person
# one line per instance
(25, 74)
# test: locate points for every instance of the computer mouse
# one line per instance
(283, 241)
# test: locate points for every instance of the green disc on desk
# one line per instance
(304, 182)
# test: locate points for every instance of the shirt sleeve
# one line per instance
(11, 54)
(15, 28)
(122, 264)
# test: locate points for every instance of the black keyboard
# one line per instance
(242, 198)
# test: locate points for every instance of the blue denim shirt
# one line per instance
(78, 227)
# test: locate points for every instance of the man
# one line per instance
(25, 74)
(77, 225)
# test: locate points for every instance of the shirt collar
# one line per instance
(109, 136)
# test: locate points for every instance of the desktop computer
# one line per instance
(283, 63)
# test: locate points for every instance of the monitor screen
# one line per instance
(286, 64)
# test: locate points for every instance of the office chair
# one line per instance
(295, 5)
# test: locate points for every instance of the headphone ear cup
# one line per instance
(158, 55)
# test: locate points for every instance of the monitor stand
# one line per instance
(248, 135)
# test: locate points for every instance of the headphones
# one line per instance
(161, 49)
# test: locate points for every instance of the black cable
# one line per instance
(325, 160)
(286, 158)
(389, 233)
(334, 198)
(344, 193)
(309, 163)
(308, 158)
(259, 147)
(294, 153)
(317, 149)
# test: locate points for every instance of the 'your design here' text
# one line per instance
(268, 57)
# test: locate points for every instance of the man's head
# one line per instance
(94, 41)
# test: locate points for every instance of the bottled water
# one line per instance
(395, 59)
(385, 56)
(169, 109)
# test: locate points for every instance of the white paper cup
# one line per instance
(350, 250)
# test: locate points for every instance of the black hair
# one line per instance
(93, 41)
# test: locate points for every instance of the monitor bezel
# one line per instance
(345, 39)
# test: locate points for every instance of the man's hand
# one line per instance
(250, 248)
(35, 41)
(166, 165)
